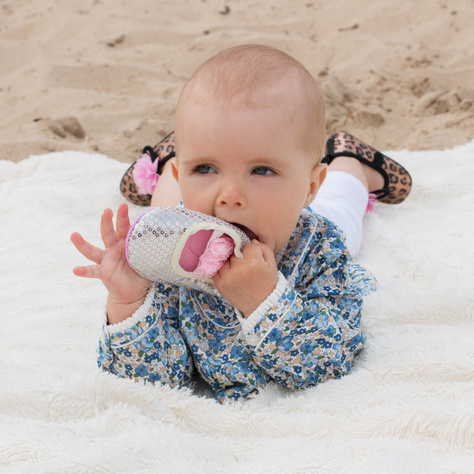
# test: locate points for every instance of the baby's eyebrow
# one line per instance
(197, 160)
(269, 162)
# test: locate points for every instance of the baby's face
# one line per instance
(244, 166)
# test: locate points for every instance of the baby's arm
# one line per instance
(308, 329)
(127, 290)
(148, 346)
(142, 339)
(247, 282)
(301, 341)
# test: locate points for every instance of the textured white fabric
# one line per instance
(343, 199)
(407, 405)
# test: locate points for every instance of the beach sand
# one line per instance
(104, 76)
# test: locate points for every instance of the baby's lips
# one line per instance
(251, 235)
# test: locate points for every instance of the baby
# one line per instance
(250, 134)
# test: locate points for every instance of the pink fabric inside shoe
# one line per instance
(205, 252)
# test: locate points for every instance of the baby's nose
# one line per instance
(231, 195)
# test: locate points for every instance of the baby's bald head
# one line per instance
(256, 76)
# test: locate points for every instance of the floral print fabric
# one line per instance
(307, 331)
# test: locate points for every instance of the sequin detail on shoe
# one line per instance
(157, 240)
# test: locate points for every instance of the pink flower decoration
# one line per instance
(219, 248)
(371, 202)
(145, 174)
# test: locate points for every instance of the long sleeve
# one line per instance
(309, 331)
(148, 346)
(304, 341)
(306, 331)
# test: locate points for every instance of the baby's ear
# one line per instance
(317, 177)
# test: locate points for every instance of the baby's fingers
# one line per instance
(253, 251)
(123, 221)
(91, 271)
(258, 251)
(107, 230)
(267, 252)
(92, 253)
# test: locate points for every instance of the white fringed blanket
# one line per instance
(408, 405)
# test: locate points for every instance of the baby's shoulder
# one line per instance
(315, 230)
(316, 243)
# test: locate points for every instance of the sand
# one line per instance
(104, 76)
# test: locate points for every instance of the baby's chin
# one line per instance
(274, 246)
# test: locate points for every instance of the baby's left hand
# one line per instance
(247, 282)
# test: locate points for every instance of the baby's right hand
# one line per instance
(127, 290)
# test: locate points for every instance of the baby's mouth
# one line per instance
(251, 235)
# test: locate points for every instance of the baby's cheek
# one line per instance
(195, 202)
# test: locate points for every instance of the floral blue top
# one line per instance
(306, 331)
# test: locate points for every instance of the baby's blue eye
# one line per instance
(204, 169)
(262, 171)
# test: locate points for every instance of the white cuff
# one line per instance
(272, 299)
(139, 315)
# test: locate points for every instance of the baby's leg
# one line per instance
(369, 177)
(343, 199)
(356, 169)
(167, 192)
(344, 194)
(139, 193)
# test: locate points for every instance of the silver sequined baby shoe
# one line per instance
(180, 247)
